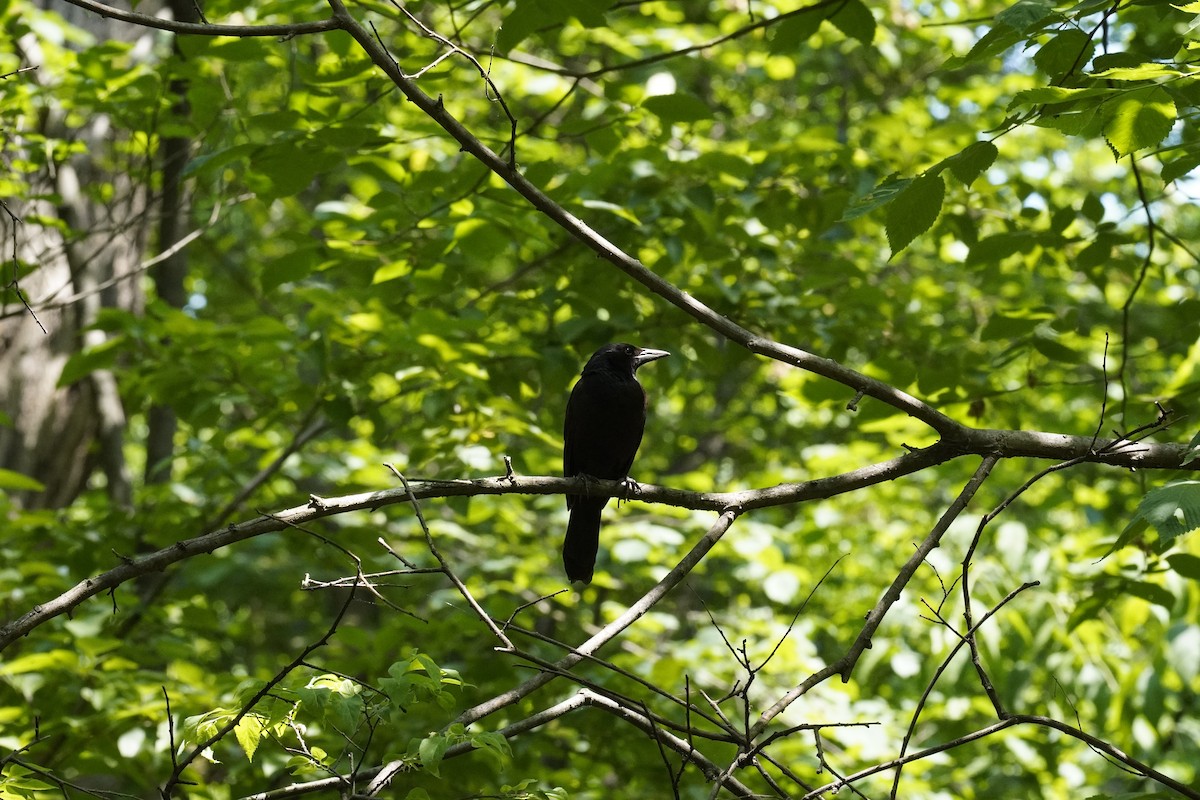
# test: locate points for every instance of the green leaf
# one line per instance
(212, 162)
(389, 272)
(1092, 207)
(432, 749)
(48, 661)
(795, 31)
(494, 744)
(972, 162)
(992, 43)
(249, 732)
(1046, 341)
(1044, 95)
(85, 362)
(1066, 52)
(1024, 15)
(1193, 451)
(1185, 564)
(15, 481)
(1150, 592)
(1138, 119)
(856, 21)
(1173, 510)
(289, 165)
(878, 197)
(1005, 327)
(612, 208)
(673, 108)
(529, 16)
(1142, 72)
(914, 210)
(1176, 168)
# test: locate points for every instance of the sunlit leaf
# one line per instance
(1138, 119)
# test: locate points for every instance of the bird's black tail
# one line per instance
(583, 538)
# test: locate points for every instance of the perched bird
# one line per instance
(606, 414)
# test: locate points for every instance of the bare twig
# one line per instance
(605, 634)
(845, 665)
(996, 727)
(16, 264)
(458, 584)
(969, 636)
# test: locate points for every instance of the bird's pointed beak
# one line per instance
(647, 355)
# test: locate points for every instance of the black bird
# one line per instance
(606, 414)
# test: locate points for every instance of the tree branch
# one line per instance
(204, 28)
(1001, 444)
(845, 665)
(996, 727)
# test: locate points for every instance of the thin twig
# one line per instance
(458, 584)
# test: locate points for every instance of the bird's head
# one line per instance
(623, 357)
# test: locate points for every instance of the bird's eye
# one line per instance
(628, 349)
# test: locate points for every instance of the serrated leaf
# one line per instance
(914, 210)
(972, 162)
(249, 732)
(1134, 530)
(496, 744)
(1045, 95)
(1172, 510)
(673, 108)
(1142, 72)
(856, 21)
(1139, 118)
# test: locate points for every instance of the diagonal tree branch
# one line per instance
(845, 665)
(204, 28)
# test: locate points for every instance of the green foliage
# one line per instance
(958, 209)
(1172, 511)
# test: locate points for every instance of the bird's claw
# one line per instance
(629, 487)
